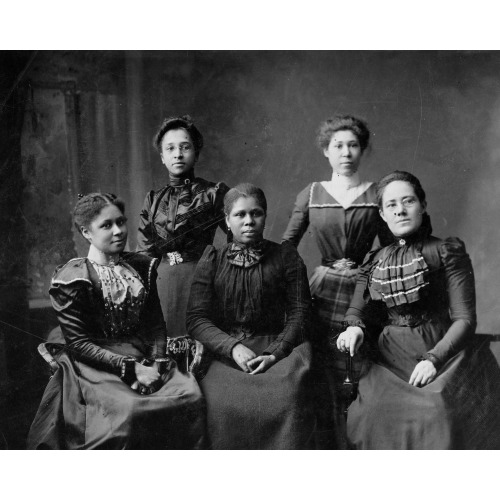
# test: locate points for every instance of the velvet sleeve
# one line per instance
(460, 288)
(152, 318)
(202, 305)
(74, 311)
(146, 232)
(362, 311)
(299, 221)
(298, 303)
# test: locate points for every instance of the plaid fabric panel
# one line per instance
(333, 294)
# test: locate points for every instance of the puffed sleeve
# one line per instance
(152, 317)
(201, 307)
(146, 232)
(74, 312)
(298, 303)
(460, 287)
(362, 311)
(299, 221)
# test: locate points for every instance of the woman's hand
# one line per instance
(146, 375)
(242, 355)
(350, 340)
(263, 363)
(424, 373)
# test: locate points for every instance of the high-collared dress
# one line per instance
(258, 297)
(177, 222)
(108, 314)
(415, 299)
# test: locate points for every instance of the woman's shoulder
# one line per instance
(142, 263)
(73, 272)
(374, 255)
(452, 249)
(286, 250)
(444, 245)
(211, 252)
(448, 251)
(305, 194)
(219, 188)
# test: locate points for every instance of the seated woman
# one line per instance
(249, 306)
(179, 220)
(107, 392)
(433, 384)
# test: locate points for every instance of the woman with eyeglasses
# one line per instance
(180, 219)
(432, 383)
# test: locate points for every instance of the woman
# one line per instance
(433, 384)
(179, 220)
(345, 221)
(107, 392)
(249, 306)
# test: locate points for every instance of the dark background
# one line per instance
(78, 121)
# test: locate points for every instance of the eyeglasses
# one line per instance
(183, 148)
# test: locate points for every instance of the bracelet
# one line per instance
(128, 371)
(433, 359)
(163, 365)
(356, 322)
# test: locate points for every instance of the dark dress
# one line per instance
(177, 222)
(265, 307)
(416, 300)
(343, 236)
(86, 404)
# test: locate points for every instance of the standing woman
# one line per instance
(433, 384)
(108, 392)
(344, 219)
(249, 306)
(179, 220)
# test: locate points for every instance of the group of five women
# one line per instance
(273, 342)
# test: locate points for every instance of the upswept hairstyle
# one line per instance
(343, 122)
(176, 122)
(88, 207)
(399, 175)
(244, 190)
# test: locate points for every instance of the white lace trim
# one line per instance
(346, 202)
(400, 266)
(386, 282)
(413, 290)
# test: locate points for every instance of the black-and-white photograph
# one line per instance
(249, 249)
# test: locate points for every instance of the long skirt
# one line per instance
(271, 410)
(460, 409)
(331, 291)
(86, 408)
(174, 286)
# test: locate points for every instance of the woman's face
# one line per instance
(108, 231)
(344, 153)
(401, 208)
(247, 220)
(177, 152)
